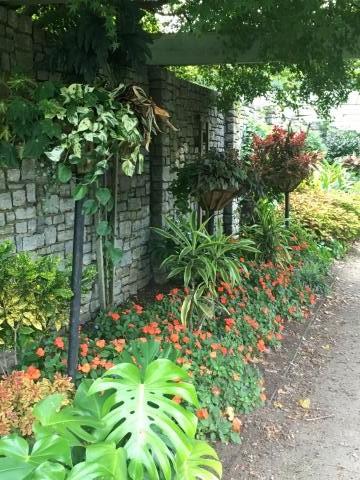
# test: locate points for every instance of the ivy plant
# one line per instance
(80, 131)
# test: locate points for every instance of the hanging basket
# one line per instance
(283, 182)
(217, 199)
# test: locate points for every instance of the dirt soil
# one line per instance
(310, 426)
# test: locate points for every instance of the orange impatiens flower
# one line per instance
(152, 328)
(100, 343)
(84, 348)
(202, 413)
(115, 316)
(40, 352)
(119, 344)
(85, 368)
(33, 373)
(174, 337)
(159, 297)
(261, 345)
(138, 308)
(59, 342)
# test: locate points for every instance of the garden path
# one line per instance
(310, 428)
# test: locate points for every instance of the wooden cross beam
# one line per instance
(177, 49)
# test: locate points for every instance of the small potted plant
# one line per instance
(213, 180)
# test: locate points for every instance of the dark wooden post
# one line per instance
(228, 219)
(76, 275)
(287, 209)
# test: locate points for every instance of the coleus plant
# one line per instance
(124, 425)
(282, 159)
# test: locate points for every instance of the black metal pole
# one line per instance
(210, 216)
(76, 275)
(228, 219)
(287, 209)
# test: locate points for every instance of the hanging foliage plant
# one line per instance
(81, 131)
(211, 180)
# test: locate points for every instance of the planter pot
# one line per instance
(282, 182)
(217, 199)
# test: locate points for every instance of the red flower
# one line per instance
(40, 352)
(115, 316)
(229, 323)
(59, 342)
(159, 297)
(174, 291)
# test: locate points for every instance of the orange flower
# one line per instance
(108, 365)
(212, 354)
(138, 308)
(236, 425)
(85, 368)
(186, 339)
(100, 343)
(262, 396)
(33, 373)
(59, 342)
(151, 328)
(174, 291)
(159, 297)
(40, 352)
(174, 337)
(261, 345)
(84, 348)
(223, 300)
(96, 362)
(202, 413)
(115, 316)
(119, 344)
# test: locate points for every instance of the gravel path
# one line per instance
(310, 428)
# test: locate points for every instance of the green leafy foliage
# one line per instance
(201, 260)
(214, 171)
(34, 295)
(329, 215)
(268, 233)
(341, 143)
(124, 425)
(332, 176)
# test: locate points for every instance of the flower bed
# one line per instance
(220, 356)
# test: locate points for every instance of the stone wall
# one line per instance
(38, 215)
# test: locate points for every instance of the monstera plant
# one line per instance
(125, 425)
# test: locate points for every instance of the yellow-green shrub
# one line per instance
(332, 215)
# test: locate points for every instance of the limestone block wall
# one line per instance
(38, 215)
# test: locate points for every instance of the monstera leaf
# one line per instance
(142, 416)
(67, 422)
(17, 462)
(200, 463)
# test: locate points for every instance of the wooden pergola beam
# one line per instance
(177, 49)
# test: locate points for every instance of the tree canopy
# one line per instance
(307, 46)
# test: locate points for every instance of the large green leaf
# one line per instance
(69, 422)
(103, 460)
(103, 195)
(64, 173)
(199, 463)
(142, 416)
(16, 461)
